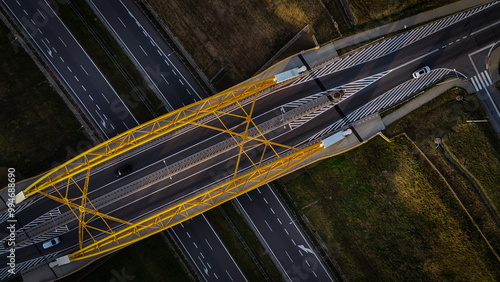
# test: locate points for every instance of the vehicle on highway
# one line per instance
(420, 72)
(124, 170)
(51, 243)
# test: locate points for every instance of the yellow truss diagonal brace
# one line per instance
(143, 134)
(196, 205)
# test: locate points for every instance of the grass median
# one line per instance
(38, 130)
(385, 212)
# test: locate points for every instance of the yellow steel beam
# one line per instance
(197, 204)
(144, 133)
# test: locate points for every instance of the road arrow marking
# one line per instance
(307, 250)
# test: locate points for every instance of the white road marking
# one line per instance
(294, 242)
(122, 22)
(98, 107)
(187, 233)
(33, 22)
(105, 97)
(69, 69)
(272, 211)
(47, 40)
(201, 254)
(288, 256)
(104, 116)
(209, 245)
(229, 276)
(25, 12)
(84, 88)
(63, 42)
(174, 72)
(41, 14)
(248, 196)
(76, 78)
(159, 53)
(265, 201)
(216, 276)
(164, 78)
(18, 3)
(143, 50)
(268, 225)
(61, 59)
(279, 221)
(40, 31)
(166, 62)
(196, 246)
(54, 50)
(112, 126)
(181, 82)
(486, 78)
(84, 70)
(152, 43)
(125, 125)
(286, 231)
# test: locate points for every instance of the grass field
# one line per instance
(475, 145)
(377, 12)
(386, 214)
(37, 127)
(230, 40)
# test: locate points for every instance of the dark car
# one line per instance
(124, 170)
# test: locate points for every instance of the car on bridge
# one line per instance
(51, 243)
(418, 73)
(124, 170)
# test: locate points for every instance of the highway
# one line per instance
(206, 251)
(466, 36)
(282, 237)
(176, 87)
(147, 49)
(73, 66)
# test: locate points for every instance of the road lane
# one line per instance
(72, 64)
(282, 237)
(445, 57)
(157, 61)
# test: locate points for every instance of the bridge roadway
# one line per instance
(427, 51)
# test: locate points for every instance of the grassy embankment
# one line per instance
(231, 40)
(385, 213)
(373, 13)
(120, 80)
(37, 128)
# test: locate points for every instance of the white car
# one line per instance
(420, 72)
(51, 243)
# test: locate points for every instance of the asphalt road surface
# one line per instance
(147, 49)
(282, 237)
(72, 64)
(206, 250)
(440, 49)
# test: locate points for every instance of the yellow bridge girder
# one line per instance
(259, 173)
(143, 134)
(196, 205)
